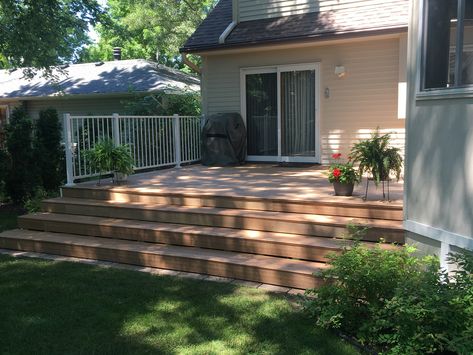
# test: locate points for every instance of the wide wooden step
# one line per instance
(346, 207)
(246, 241)
(294, 223)
(259, 268)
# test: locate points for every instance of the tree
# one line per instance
(143, 28)
(44, 33)
(21, 175)
(48, 152)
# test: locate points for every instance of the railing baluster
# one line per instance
(153, 140)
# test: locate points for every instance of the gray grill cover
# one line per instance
(224, 140)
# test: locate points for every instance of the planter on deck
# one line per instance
(343, 189)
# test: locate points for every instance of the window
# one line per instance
(448, 42)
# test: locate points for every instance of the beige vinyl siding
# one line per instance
(258, 9)
(89, 106)
(366, 98)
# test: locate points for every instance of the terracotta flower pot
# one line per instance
(343, 189)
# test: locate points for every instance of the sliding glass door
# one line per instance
(298, 114)
(262, 114)
(280, 108)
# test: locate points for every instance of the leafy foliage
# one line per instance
(101, 156)
(377, 157)
(395, 302)
(33, 202)
(21, 174)
(48, 151)
(147, 27)
(43, 33)
(164, 104)
(106, 158)
(4, 163)
(342, 172)
(122, 160)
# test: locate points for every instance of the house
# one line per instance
(309, 77)
(439, 160)
(90, 88)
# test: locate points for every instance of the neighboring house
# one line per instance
(91, 88)
(439, 159)
(309, 77)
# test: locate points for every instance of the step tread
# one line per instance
(251, 260)
(269, 215)
(261, 236)
(328, 201)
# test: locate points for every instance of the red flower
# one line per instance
(336, 172)
(336, 155)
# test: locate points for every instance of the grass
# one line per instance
(68, 308)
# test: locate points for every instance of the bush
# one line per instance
(48, 152)
(396, 303)
(164, 104)
(21, 176)
(32, 204)
(4, 163)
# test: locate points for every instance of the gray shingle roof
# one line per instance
(115, 77)
(368, 17)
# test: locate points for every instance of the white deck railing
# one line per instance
(155, 141)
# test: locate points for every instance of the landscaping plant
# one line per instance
(48, 152)
(377, 157)
(105, 158)
(342, 172)
(21, 178)
(396, 303)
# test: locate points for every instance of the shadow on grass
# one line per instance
(59, 308)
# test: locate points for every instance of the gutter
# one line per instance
(322, 37)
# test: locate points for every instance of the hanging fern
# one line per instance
(377, 157)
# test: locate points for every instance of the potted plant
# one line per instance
(343, 176)
(106, 158)
(122, 163)
(377, 157)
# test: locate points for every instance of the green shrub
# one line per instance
(4, 163)
(48, 152)
(165, 104)
(394, 302)
(21, 177)
(32, 204)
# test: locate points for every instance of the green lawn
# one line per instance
(68, 308)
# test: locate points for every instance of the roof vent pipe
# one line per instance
(117, 53)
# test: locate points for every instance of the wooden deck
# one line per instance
(268, 181)
(258, 223)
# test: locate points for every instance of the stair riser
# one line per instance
(214, 268)
(237, 222)
(184, 239)
(341, 209)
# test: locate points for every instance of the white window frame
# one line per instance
(278, 69)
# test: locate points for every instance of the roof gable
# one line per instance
(366, 18)
(114, 77)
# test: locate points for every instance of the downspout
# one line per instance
(232, 25)
(226, 32)
(191, 64)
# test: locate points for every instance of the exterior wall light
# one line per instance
(340, 71)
